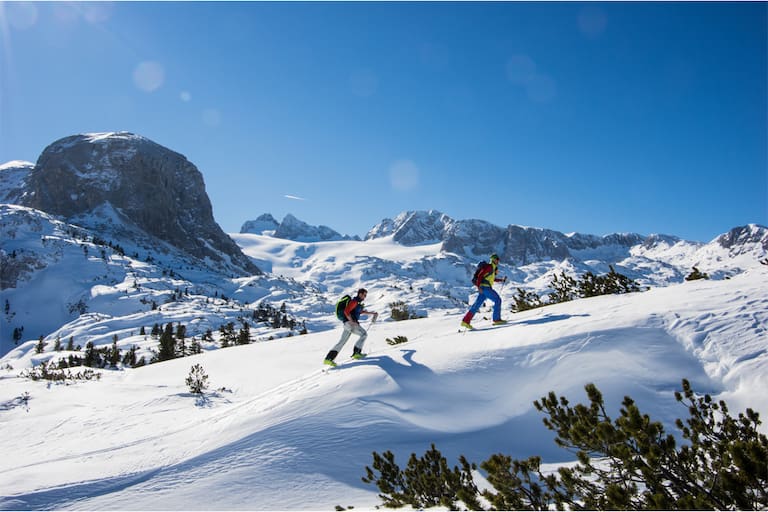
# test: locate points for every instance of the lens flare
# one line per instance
(149, 76)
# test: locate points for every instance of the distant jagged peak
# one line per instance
(748, 237)
(414, 227)
(656, 240)
(291, 228)
(264, 224)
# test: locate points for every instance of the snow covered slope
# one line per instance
(60, 281)
(279, 433)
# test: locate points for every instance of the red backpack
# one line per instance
(483, 269)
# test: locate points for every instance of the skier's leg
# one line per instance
(478, 301)
(357, 329)
(474, 309)
(344, 337)
(494, 296)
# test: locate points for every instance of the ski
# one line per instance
(484, 328)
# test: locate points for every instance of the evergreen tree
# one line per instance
(197, 380)
(90, 356)
(591, 285)
(129, 359)
(227, 334)
(525, 300)
(619, 283)
(17, 334)
(114, 353)
(167, 344)
(427, 481)
(563, 288)
(244, 335)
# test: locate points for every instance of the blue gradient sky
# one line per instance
(588, 117)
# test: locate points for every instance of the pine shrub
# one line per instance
(46, 371)
(525, 300)
(696, 274)
(626, 463)
(399, 311)
(564, 288)
(197, 380)
(426, 482)
(397, 340)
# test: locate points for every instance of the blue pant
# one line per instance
(486, 292)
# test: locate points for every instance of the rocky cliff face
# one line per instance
(157, 190)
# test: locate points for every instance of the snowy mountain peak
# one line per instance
(13, 179)
(291, 228)
(264, 224)
(414, 228)
(521, 245)
(16, 164)
(745, 239)
(152, 188)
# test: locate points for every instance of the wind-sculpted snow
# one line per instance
(276, 431)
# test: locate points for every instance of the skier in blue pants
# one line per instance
(485, 292)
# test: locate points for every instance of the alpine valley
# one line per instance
(110, 236)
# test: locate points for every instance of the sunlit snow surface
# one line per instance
(275, 431)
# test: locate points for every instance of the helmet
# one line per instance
(494, 256)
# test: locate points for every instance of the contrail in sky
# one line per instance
(297, 198)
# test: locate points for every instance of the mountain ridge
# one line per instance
(109, 262)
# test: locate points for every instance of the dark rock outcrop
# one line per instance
(156, 189)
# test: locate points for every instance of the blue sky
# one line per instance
(589, 117)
